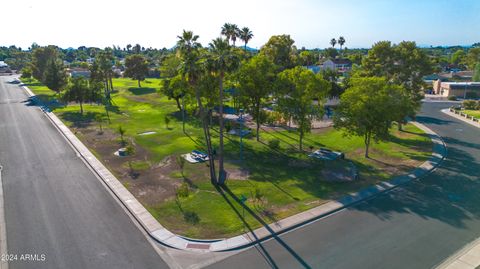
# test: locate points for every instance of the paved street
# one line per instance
(417, 226)
(54, 205)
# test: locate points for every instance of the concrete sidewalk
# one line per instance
(167, 238)
(466, 258)
(460, 117)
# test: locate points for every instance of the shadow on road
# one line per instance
(450, 194)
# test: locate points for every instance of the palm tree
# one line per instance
(246, 35)
(188, 49)
(341, 41)
(333, 42)
(222, 59)
(231, 32)
(234, 34)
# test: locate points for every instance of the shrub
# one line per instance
(130, 150)
(26, 73)
(469, 104)
(191, 217)
(183, 190)
(274, 144)
(452, 98)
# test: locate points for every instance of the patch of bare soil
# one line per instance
(151, 185)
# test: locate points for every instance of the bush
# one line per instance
(274, 144)
(183, 190)
(469, 104)
(452, 98)
(191, 217)
(26, 73)
(130, 150)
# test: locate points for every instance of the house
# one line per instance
(457, 89)
(340, 65)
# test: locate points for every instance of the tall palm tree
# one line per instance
(188, 49)
(341, 41)
(246, 35)
(333, 42)
(221, 59)
(231, 32)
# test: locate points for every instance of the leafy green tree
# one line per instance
(404, 65)
(41, 57)
(102, 67)
(368, 109)
(136, 68)
(255, 79)
(332, 76)
(190, 68)
(380, 60)
(222, 59)
(307, 58)
(473, 57)
(330, 53)
(175, 88)
(297, 89)
(26, 72)
(281, 51)
(55, 77)
(246, 35)
(476, 75)
(458, 57)
(77, 91)
(169, 66)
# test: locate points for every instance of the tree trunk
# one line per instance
(177, 100)
(367, 143)
(301, 139)
(139, 84)
(206, 133)
(221, 171)
(81, 108)
(400, 125)
(111, 83)
(258, 122)
(183, 114)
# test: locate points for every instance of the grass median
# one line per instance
(273, 182)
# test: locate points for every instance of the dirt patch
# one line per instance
(151, 184)
(237, 173)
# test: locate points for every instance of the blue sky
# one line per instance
(310, 23)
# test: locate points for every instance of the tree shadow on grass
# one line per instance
(233, 200)
(142, 91)
(78, 120)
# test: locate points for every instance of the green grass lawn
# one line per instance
(473, 113)
(280, 182)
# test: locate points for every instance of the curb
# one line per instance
(460, 117)
(167, 238)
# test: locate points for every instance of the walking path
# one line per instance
(165, 237)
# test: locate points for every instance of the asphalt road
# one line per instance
(416, 226)
(54, 205)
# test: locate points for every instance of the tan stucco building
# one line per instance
(458, 89)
